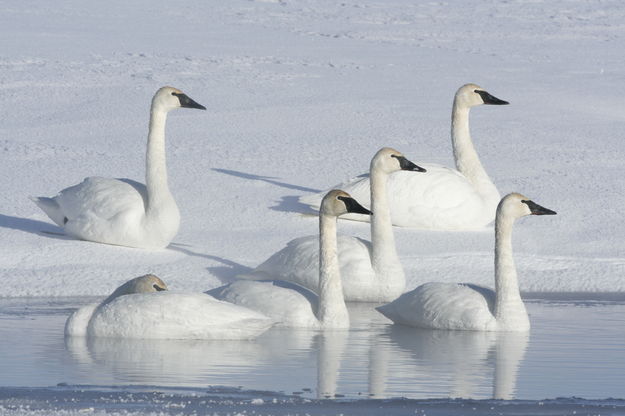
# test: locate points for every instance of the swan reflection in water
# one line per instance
(454, 363)
(383, 360)
(285, 359)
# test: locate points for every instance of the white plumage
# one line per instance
(371, 272)
(444, 199)
(470, 307)
(122, 211)
(133, 312)
(292, 305)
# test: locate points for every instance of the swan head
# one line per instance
(337, 202)
(168, 98)
(471, 95)
(142, 284)
(390, 160)
(517, 206)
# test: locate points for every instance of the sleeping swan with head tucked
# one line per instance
(144, 308)
(445, 199)
(470, 307)
(121, 211)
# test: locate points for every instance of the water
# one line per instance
(575, 349)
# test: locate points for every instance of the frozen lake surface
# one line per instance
(575, 350)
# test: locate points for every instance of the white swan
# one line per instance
(470, 307)
(444, 199)
(371, 272)
(292, 305)
(133, 311)
(121, 211)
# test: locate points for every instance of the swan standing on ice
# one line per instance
(444, 199)
(371, 272)
(134, 311)
(121, 211)
(292, 305)
(470, 307)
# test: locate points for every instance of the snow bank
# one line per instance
(300, 95)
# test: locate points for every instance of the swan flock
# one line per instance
(306, 284)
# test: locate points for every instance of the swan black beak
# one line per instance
(405, 164)
(490, 99)
(353, 206)
(536, 209)
(158, 288)
(187, 102)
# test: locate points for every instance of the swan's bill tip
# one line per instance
(536, 209)
(187, 102)
(490, 99)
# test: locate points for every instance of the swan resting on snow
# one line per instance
(370, 271)
(144, 308)
(292, 305)
(121, 211)
(470, 307)
(445, 199)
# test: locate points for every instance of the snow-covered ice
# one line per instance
(300, 95)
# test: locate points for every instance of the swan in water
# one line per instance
(470, 307)
(292, 305)
(444, 199)
(121, 211)
(133, 310)
(371, 272)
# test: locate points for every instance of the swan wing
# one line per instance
(298, 263)
(290, 305)
(102, 198)
(444, 306)
(442, 198)
(170, 315)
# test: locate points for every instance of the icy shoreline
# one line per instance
(154, 400)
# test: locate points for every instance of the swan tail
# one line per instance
(51, 208)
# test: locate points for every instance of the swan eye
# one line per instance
(158, 288)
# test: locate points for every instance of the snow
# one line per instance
(300, 95)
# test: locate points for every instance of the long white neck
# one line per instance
(509, 308)
(156, 169)
(384, 259)
(331, 312)
(467, 160)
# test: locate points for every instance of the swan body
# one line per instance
(469, 307)
(292, 305)
(445, 199)
(133, 311)
(370, 271)
(121, 211)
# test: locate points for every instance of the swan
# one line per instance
(444, 199)
(144, 308)
(292, 305)
(469, 307)
(371, 272)
(121, 211)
